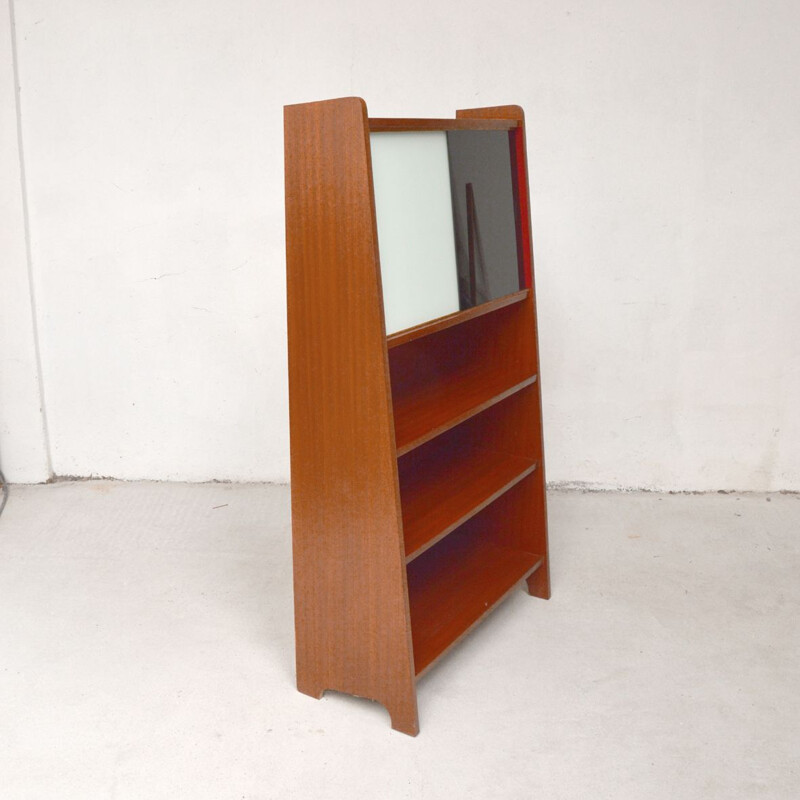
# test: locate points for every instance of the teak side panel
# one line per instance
(539, 582)
(351, 603)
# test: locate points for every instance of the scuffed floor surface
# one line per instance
(146, 651)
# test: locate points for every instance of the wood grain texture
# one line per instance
(539, 582)
(351, 608)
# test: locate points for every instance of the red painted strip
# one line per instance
(512, 149)
(524, 206)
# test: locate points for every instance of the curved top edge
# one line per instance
(493, 112)
(337, 100)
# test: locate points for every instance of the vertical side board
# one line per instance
(539, 581)
(352, 623)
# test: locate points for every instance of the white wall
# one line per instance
(662, 146)
(23, 442)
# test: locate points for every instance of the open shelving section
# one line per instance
(455, 584)
(446, 487)
(462, 394)
(443, 379)
(418, 487)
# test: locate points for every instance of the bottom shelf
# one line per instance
(454, 584)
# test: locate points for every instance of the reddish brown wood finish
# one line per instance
(425, 446)
(436, 418)
(443, 379)
(454, 476)
(351, 608)
(455, 584)
(444, 484)
(539, 582)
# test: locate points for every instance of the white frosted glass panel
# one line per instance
(414, 210)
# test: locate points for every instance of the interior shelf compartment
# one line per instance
(448, 480)
(444, 378)
(454, 584)
(448, 321)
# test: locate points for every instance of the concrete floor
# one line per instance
(146, 651)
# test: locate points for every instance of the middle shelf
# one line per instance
(447, 493)
(446, 481)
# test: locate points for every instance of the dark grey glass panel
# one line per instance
(483, 215)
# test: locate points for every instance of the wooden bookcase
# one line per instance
(418, 488)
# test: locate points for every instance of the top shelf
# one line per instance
(386, 124)
(441, 323)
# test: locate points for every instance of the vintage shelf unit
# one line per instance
(418, 487)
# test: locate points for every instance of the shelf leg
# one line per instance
(539, 582)
(402, 707)
(312, 689)
(405, 719)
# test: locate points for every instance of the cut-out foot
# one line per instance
(539, 582)
(407, 723)
(402, 706)
(311, 689)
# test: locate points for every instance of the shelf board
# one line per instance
(448, 321)
(454, 585)
(422, 416)
(446, 487)
(386, 124)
